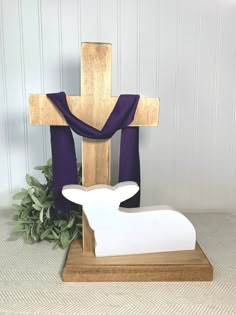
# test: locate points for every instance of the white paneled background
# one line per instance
(183, 51)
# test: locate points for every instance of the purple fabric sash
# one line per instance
(63, 149)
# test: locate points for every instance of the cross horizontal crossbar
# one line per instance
(43, 111)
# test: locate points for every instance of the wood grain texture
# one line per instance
(95, 86)
(169, 266)
(95, 103)
(43, 111)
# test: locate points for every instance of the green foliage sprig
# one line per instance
(37, 218)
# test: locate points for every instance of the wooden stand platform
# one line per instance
(171, 266)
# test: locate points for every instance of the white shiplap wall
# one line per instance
(180, 50)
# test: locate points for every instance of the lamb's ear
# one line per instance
(75, 193)
(126, 190)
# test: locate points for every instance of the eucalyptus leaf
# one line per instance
(47, 203)
(46, 171)
(80, 170)
(26, 199)
(35, 238)
(36, 201)
(27, 231)
(65, 238)
(36, 207)
(49, 162)
(38, 228)
(71, 222)
(20, 195)
(31, 191)
(75, 234)
(25, 221)
(39, 168)
(17, 207)
(55, 235)
(36, 217)
(28, 179)
(45, 234)
(56, 222)
(41, 215)
(51, 237)
(32, 231)
(19, 227)
(62, 223)
(48, 213)
(36, 183)
(57, 230)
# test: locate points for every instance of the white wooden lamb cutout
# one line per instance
(121, 231)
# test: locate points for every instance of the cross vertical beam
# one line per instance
(96, 87)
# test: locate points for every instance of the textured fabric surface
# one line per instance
(63, 149)
(30, 280)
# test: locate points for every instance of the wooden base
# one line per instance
(190, 265)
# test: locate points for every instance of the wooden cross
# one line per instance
(93, 107)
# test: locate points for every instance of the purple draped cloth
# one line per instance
(63, 148)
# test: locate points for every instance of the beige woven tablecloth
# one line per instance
(30, 280)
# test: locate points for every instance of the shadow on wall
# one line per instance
(66, 77)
